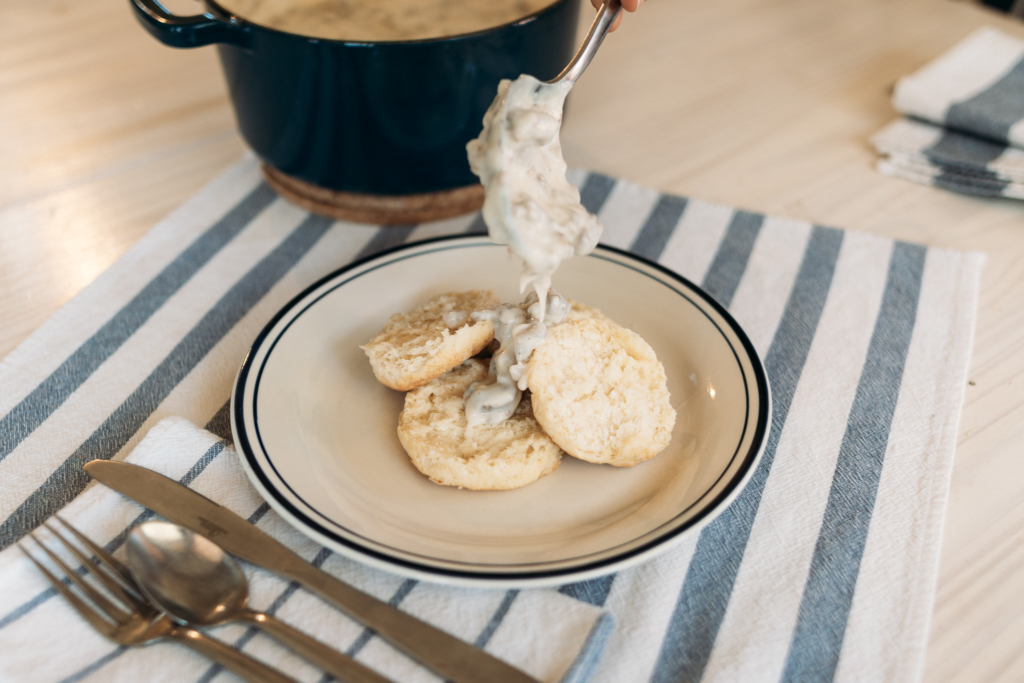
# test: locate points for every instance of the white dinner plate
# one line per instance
(317, 432)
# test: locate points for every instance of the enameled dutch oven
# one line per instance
(385, 118)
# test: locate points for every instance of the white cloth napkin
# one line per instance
(825, 566)
(965, 120)
(49, 642)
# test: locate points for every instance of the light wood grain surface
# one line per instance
(763, 104)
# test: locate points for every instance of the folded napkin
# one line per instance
(966, 120)
(823, 568)
(47, 641)
(930, 155)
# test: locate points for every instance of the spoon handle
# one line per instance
(598, 30)
(339, 665)
(233, 660)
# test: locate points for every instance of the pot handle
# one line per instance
(193, 31)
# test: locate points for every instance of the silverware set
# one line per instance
(122, 613)
(180, 578)
(192, 580)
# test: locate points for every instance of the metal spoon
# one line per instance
(598, 30)
(196, 583)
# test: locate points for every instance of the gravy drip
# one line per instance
(520, 329)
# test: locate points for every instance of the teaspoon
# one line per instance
(196, 583)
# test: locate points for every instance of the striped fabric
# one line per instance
(965, 128)
(498, 621)
(931, 155)
(824, 567)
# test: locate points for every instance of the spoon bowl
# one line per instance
(195, 582)
(189, 577)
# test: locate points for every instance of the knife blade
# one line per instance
(451, 658)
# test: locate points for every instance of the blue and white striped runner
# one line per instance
(966, 127)
(824, 568)
(43, 640)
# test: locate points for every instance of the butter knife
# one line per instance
(451, 658)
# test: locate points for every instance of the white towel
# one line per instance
(965, 124)
(49, 642)
(824, 567)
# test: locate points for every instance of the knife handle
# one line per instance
(453, 659)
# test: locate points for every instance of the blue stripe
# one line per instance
(385, 238)
(994, 111)
(477, 226)
(963, 161)
(593, 591)
(52, 392)
(257, 515)
(70, 479)
(730, 262)
(658, 227)
(825, 607)
(700, 606)
(965, 153)
(85, 672)
(949, 179)
(595, 191)
(211, 453)
(220, 423)
(396, 599)
(495, 621)
(590, 654)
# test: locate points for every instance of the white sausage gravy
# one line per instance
(519, 330)
(530, 206)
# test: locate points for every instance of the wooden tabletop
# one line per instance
(763, 104)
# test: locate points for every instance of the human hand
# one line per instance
(628, 5)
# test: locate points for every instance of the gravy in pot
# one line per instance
(382, 20)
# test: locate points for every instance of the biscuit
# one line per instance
(580, 311)
(600, 393)
(432, 429)
(415, 347)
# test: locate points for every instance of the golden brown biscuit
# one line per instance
(432, 429)
(415, 347)
(600, 393)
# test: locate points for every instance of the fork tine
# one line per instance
(106, 558)
(81, 606)
(100, 600)
(115, 583)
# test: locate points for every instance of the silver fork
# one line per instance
(124, 616)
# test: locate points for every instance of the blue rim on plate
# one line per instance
(289, 502)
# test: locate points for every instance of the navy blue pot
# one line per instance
(389, 118)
